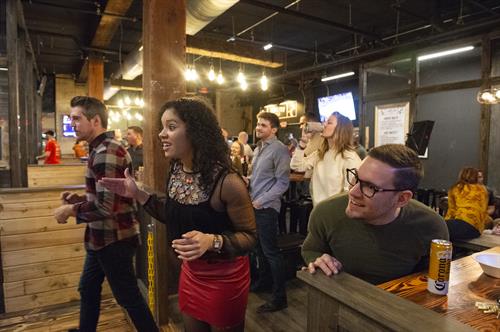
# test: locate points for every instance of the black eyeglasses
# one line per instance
(368, 189)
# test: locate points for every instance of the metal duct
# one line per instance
(199, 13)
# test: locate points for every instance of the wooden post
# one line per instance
(12, 53)
(164, 46)
(96, 78)
(484, 132)
(23, 87)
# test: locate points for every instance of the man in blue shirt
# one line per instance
(268, 182)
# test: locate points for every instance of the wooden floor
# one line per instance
(61, 318)
(112, 319)
(291, 319)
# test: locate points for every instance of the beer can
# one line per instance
(439, 267)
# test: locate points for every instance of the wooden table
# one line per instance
(468, 284)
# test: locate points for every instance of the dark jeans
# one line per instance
(267, 250)
(461, 230)
(115, 263)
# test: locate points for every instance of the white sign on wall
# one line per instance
(392, 123)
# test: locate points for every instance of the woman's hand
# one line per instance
(125, 187)
(192, 245)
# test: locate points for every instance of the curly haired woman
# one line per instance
(209, 214)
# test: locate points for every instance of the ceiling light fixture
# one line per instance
(268, 46)
(334, 77)
(445, 53)
(489, 96)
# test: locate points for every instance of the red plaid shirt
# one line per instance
(109, 217)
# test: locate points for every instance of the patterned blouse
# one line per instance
(469, 203)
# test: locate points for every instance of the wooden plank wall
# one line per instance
(41, 259)
(55, 175)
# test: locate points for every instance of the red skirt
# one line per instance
(215, 292)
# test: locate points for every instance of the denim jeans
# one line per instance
(115, 263)
(267, 230)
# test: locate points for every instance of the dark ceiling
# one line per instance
(308, 36)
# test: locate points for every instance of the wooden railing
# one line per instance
(346, 303)
(56, 175)
(41, 259)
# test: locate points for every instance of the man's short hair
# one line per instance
(137, 130)
(91, 107)
(49, 132)
(409, 169)
(271, 117)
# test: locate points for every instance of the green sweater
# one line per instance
(373, 253)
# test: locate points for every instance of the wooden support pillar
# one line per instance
(484, 132)
(164, 42)
(96, 78)
(32, 137)
(12, 50)
(23, 86)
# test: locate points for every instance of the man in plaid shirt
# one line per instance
(112, 233)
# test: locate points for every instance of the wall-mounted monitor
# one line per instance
(67, 129)
(342, 103)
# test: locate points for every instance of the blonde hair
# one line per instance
(342, 137)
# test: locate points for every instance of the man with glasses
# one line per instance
(376, 231)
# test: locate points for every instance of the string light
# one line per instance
(128, 101)
(264, 84)
(211, 74)
(220, 78)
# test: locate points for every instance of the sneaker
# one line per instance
(271, 307)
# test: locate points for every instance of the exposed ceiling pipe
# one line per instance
(199, 13)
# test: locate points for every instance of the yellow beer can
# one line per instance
(439, 267)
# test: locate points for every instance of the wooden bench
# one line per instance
(346, 303)
(56, 175)
(485, 241)
(41, 259)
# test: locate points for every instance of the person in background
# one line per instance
(237, 157)
(208, 213)
(376, 231)
(311, 132)
(268, 182)
(243, 139)
(80, 149)
(134, 139)
(467, 206)
(112, 232)
(52, 155)
(330, 162)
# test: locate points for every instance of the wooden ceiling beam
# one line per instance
(237, 52)
(108, 25)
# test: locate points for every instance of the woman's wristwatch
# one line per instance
(217, 243)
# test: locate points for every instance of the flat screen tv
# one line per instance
(342, 103)
(68, 131)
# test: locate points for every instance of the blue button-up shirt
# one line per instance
(270, 173)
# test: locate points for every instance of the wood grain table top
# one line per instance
(468, 285)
